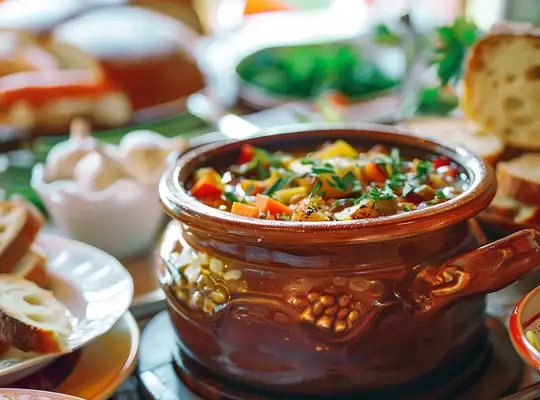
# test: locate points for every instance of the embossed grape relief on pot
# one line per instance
(337, 305)
(202, 282)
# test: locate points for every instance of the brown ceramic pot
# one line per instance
(333, 307)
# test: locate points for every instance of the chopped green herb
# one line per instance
(307, 161)
(408, 188)
(349, 179)
(337, 183)
(279, 184)
(451, 48)
(285, 217)
(315, 189)
(341, 202)
(262, 172)
(273, 160)
(396, 161)
(250, 189)
(440, 194)
(232, 197)
(322, 170)
(377, 194)
(423, 168)
(406, 208)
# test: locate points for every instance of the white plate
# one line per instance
(94, 287)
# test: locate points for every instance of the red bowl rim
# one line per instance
(517, 332)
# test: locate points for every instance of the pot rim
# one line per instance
(180, 205)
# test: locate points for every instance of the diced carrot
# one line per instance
(261, 6)
(246, 154)
(252, 187)
(206, 188)
(245, 210)
(337, 98)
(374, 173)
(270, 206)
(450, 172)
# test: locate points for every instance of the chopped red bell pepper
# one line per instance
(206, 188)
(374, 173)
(247, 152)
(441, 162)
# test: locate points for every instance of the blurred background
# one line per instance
(187, 68)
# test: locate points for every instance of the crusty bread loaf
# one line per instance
(148, 55)
(519, 178)
(31, 318)
(33, 267)
(459, 132)
(20, 222)
(502, 84)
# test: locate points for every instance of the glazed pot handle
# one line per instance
(484, 270)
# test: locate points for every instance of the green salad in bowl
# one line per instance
(302, 72)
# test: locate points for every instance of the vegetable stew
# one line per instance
(337, 182)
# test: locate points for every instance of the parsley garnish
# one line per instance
(451, 49)
(324, 169)
(440, 194)
(423, 168)
(406, 207)
(342, 202)
(377, 194)
(307, 161)
(396, 161)
(315, 189)
(266, 157)
(250, 189)
(347, 183)
(232, 197)
(262, 173)
(408, 188)
(279, 184)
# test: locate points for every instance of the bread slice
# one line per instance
(519, 179)
(502, 84)
(504, 207)
(528, 215)
(512, 211)
(459, 132)
(31, 318)
(20, 222)
(33, 267)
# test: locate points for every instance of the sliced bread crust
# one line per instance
(519, 179)
(20, 222)
(33, 267)
(512, 211)
(31, 318)
(459, 132)
(502, 83)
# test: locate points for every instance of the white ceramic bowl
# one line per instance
(122, 220)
